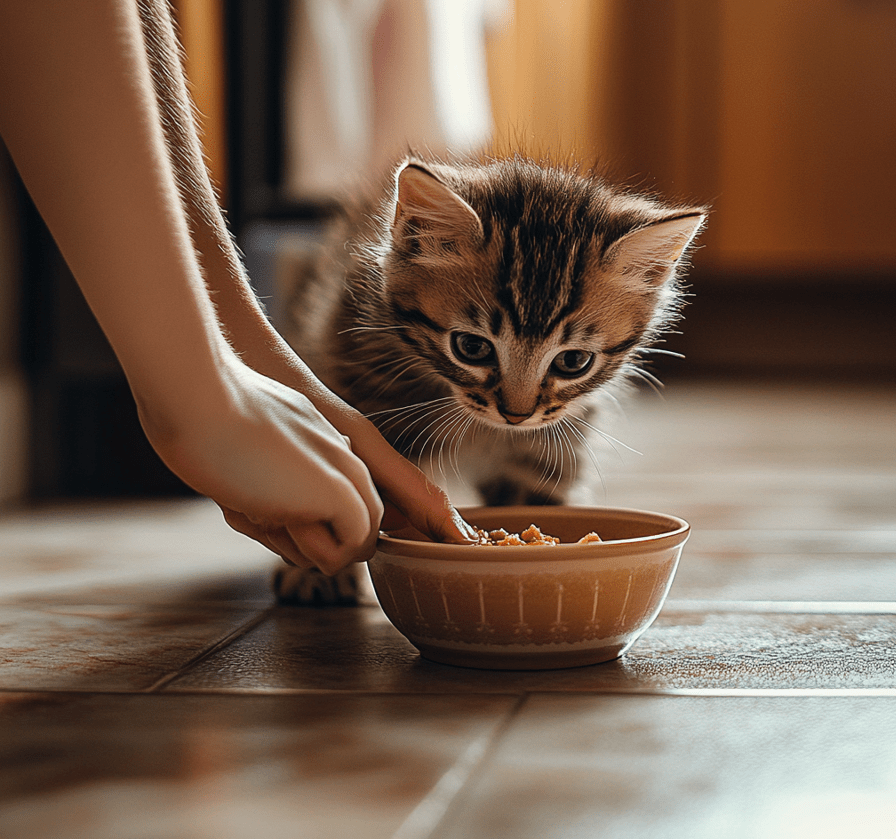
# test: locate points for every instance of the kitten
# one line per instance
(480, 312)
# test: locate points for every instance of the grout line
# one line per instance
(725, 692)
(228, 639)
(632, 690)
(813, 607)
(518, 696)
(430, 813)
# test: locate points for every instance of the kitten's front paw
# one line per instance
(309, 587)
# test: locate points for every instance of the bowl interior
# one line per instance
(571, 523)
(620, 529)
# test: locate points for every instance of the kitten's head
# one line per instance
(526, 288)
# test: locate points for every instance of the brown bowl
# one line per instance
(531, 607)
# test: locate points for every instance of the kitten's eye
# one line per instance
(471, 348)
(572, 362)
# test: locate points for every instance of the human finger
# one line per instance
(317, 542)
(274, 539)
(402, 484)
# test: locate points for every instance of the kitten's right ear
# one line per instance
(652, 253)
(426, 206)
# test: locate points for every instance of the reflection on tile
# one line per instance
(775, 501)
(760, 651)
(630, 767)
(359, 650)
(106, 647)
(748, 575)
(808, 543)
(228, 767)
(250, 588)
(715, 427)
(142, 548)
(749, 457)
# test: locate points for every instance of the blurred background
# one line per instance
(780, 115)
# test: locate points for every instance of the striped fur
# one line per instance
(477, 314)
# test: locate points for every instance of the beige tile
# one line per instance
(745, 457)
(141, 550)
(710, 427)
(252, 588)
(810, 543)
(359, 650)
(632, 767)
(98, 647)
(744, 650)
(169, 767)
(747, 575)
(811, 500)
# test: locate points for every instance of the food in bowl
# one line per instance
(532, 535)
(531, 606)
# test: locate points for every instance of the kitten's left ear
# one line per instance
(431, 205)
(651, 253)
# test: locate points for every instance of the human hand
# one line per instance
(409, 497)
(277, 468)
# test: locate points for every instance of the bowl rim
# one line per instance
(676, 535)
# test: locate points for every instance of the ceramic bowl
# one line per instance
(531, 607)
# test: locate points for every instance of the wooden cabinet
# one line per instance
(780, 114)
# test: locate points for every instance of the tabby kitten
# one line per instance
(477, 316)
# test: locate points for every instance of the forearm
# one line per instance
(238, 310)
(81, 124)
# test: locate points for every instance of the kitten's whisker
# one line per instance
(544, 464)
(612, 397)
(555, 432)
(574, 460)
(655, 384)
(470, 421)
(408, 411)
(443, 430)
(591, 455)
(430, 427)
(414, 416)
(370, 329)
(608, 437)
(646, 374)
(435, 412)
(553, 461)
(439, 428)
(389, 362)
(401, 408)
(454, 441)
(659, 351)
(386, 385)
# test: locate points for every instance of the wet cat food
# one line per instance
(530, 536)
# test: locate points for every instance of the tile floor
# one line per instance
(149, 689)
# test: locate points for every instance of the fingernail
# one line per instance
(466, 529)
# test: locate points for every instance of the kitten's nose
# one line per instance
(515, 419)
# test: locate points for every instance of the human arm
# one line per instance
(409, 496)
(78, 114)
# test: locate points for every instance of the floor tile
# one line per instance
(747, 575)
(296, 649)
(734, 426)
(100, 647)
(759, 651)
(751, 456)
(169, 767)
(145, 548)
(631, 767)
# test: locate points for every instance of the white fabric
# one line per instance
(368, 79)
